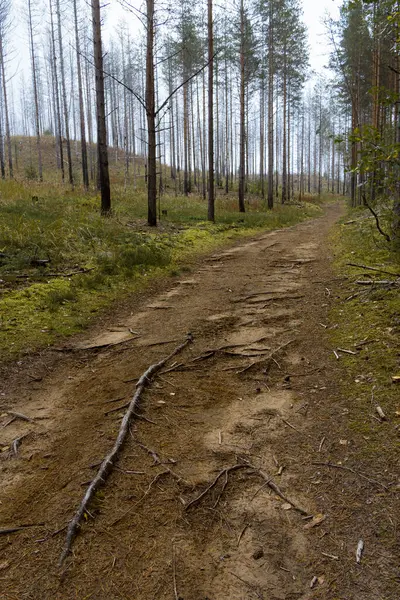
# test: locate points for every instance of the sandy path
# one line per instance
(254, 311)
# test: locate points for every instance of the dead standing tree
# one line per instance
(151, 119)
(5, 7)
(57, 109)
(35, 89)
(104, 177)
(64, 93)
(211, 198)
(85, 172)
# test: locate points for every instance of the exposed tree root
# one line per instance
(108, 463)
(268, 482)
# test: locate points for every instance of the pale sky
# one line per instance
(314, 12)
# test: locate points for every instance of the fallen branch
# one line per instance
(53, 275)
(378, 226)
(343, 468)
(347, 351)
(108, 463)
(373, 269)
(380, 282)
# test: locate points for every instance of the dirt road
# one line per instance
(250, 389)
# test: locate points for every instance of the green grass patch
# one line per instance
(94, 261)
(369, 315)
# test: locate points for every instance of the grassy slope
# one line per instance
(119, 254)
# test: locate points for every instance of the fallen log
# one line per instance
(108, 463)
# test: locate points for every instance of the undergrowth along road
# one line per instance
(61, 263)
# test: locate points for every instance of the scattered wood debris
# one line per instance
(332, 556)
(347, 351)
(381, 414)
(315, 521)
(359, 551)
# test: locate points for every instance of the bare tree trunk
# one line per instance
(186, 149)
(172, 124)
(201, 141)
(6, 114)
(320, 147)
(151, 119)
(301, 182)
(309, 152)
(35, 91)
(270, 109)
(211, 197)
(226, 128)
(64, 95)
(2, 162)
(288, 149)
(89, 118)
(85, 173)
(232, 138)
(102, 150)
(205, 125)
(217, 144)
(242, 135)
(284, 154)
(262, 135)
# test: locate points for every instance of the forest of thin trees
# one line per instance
(222, 96)
(366, 60)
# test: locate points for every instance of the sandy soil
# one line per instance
(257, 385)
